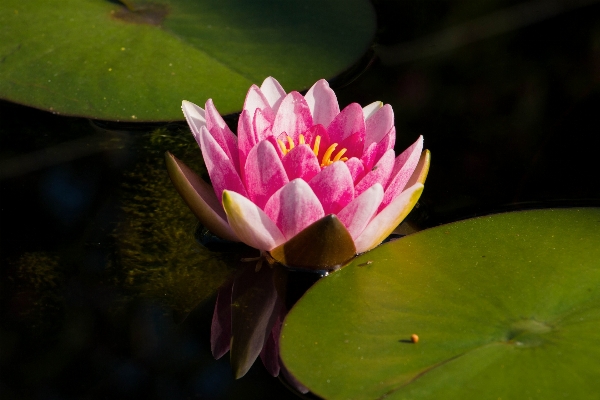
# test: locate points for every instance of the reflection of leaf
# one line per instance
(136, 60)
(157, 255)
(506, 305)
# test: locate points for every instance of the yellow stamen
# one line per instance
(326, 161)
(339, 155)
(316, 146)
(283, 148)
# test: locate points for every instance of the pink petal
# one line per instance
(314, 131)
(347, 123)
(293, 116)
(322, 102)
(221, 132)
(294, 207)
(310, 136)
(389, 218)
(273, 141)
(375, 150)
(356, 168)
(255, 99)
(262, 124)
(380, 173)
(369, 110)
(223, 174)
(359, 212)
(250, 223)
(220, 330)
(273, 92)
(334, 187)
(246, 138)
(379, 124)
(194, 116)
(353, 144)
(264, 173)
(301, 162)
(404, 166)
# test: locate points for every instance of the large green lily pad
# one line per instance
(100, 59)
(505, 307)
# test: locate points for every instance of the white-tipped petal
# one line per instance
(194, 116)
(378, 124)
(388, 219)
(273, 92)
(255, 99)
(369, 110)
(404, 166)
(322, 102)
(251, 225)
(294, 207)
(359, 212)
(293, 116)
(222, 172)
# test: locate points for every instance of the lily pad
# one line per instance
(504, 306)
(100, 59)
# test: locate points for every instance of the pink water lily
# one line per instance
(302, 181)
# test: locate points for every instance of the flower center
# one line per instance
(326, 160)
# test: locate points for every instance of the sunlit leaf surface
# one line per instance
(505, 306)
(100, 59)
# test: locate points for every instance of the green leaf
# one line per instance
(505, 306)
(100, 59)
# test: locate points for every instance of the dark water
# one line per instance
(99, 265)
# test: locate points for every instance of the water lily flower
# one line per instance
(304, 182)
